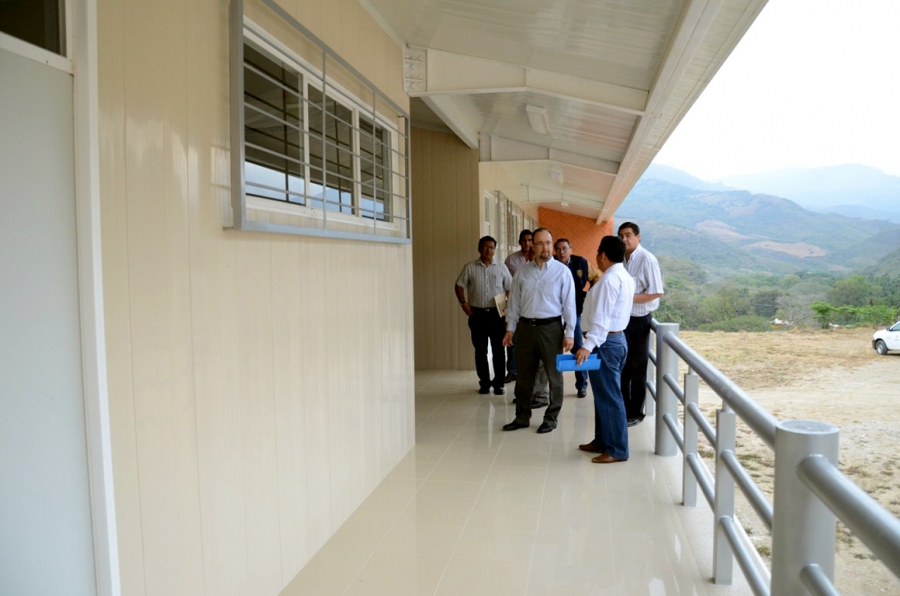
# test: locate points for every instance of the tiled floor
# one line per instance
(474, 511)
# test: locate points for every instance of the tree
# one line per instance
(727, 302)
(765, 302)
(795, 311)
(825, 313)
(855, 290)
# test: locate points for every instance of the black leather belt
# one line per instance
(483, 310)
(536, 322)
(613, 332)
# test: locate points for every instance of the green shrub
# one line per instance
(742, 323)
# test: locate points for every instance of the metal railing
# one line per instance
(810, 491)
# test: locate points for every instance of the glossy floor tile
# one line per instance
(475, 511)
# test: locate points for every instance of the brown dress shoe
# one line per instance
(589, 447)
(605, 458)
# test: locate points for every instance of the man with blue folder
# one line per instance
(607, 310)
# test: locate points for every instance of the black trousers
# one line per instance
(540, 343)
(488, 326)
(634, 373)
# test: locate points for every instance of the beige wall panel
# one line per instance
(260, 386)
(308, 12)
(117, 303)
(288, 365)
(213, 294)
(315, 333)
(359, 38)
(445, 220)
(255, 324)
(156, 171)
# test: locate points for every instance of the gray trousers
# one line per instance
(538, 343)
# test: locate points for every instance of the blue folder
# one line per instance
(566, 362)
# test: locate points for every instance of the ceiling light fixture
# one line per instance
(556, 175)
(537, 117)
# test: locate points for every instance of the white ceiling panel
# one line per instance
(610, 78)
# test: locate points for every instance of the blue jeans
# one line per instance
(610, 426)
(581, 378)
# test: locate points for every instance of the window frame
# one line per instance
(60, 61)
(315, 213)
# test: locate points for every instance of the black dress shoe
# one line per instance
(509, 378)
(545, 427)
(484, 390)
(514, 426)
(499, 391)
(582, 392)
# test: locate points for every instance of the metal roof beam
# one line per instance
(536, 195)
(498, 149)
(444, 108)
(429, 72)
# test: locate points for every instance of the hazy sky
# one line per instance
(812, 83)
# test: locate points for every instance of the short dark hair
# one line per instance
(566, 240)
(542, 230)
(613, 247)
(630, 224)
(486, 239)
(524, 233)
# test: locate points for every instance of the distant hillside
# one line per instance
(862, 212)
(888, 265)
(738, 231)
(828, 188)
(676, 176)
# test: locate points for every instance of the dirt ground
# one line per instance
(829, 376)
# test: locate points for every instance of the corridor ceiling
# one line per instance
(573, 98)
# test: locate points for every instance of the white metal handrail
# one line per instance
(810, 491)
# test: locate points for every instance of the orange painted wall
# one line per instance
(583, 232)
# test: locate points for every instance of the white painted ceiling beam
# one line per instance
(429, 72)
(535, 195)
(458, 122)
(498, 149)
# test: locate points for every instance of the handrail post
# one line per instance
(649, 399)
(688, 481)
(723, 558)
(666, 402)
(803, 528)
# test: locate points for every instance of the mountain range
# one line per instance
(852, 190)
(728, 231)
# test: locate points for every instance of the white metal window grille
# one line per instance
(318, 144)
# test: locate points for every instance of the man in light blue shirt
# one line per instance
(542, 310)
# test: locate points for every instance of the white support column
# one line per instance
(649, 399)
(688, 481)
(666, 402)
(723, 558)
(803, 529)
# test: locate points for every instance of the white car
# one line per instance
(887, 339)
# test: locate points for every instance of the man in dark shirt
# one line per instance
(582, 274)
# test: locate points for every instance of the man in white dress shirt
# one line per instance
(644, 268)
(607, 310)
(541, 313)
(513, 263)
